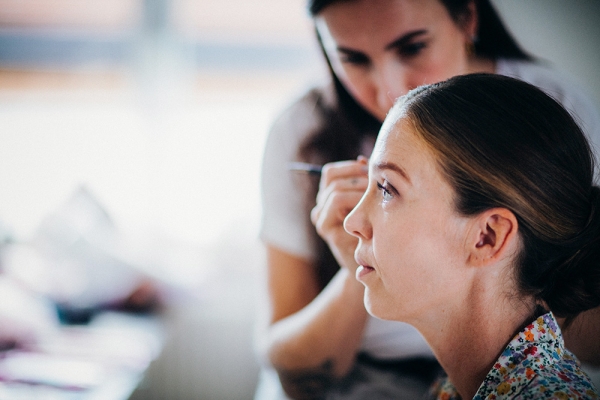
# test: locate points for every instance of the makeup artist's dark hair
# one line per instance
(345, 123)
(502, 142)
(493, 39)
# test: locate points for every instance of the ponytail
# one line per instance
(538, 164)
(576, 281)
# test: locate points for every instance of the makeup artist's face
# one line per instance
(411, 239)
(380, 49)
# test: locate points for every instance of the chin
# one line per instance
(368, 302)
(378, 308)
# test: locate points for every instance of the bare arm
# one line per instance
(313, 336)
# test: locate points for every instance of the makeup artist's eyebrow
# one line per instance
(405, 39)
(348, 51)
(393, 167)
(399, 42)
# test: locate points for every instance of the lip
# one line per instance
(363, 268)
(362, 271)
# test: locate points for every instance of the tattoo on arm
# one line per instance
(308, 383)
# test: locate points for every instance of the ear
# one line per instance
(471, 21)
(493, 237)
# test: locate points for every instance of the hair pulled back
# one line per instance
(345, 124)
(502, 142)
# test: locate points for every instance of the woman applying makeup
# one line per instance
(479, 218)
(317, 338)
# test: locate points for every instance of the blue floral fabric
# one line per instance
(534, 365)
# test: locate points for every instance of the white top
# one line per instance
(286, 222)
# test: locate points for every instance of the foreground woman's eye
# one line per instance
(385, 192)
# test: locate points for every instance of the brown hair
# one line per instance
(493, 39)
(345, 124)
(502, 142)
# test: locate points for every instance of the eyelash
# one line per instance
(406, 51)
(384, 192)
(354, 59)
(412, 49)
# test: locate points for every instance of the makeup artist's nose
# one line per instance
(391, 83)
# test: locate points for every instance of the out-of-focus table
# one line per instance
(103, 360)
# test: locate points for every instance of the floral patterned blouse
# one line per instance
(534, 365)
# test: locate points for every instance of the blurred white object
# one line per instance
(81, 260)
(50, 370)
(104, 360)
(24, 317)
(73, 259)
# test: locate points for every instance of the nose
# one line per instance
(356, 222)
(391, 84)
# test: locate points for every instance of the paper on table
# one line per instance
(42, 369)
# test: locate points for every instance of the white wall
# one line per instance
(566, 33)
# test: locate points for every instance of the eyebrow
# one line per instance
(403, 40)
(391, 166)
(399, 42)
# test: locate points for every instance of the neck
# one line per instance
(467, 344)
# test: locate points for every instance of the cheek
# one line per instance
(449, 61)
(399, 253)
(435, 72)
(416, 257)
(446, 61)
(397, 294)
(359, 84)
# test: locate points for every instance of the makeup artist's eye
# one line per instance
(411, 49)
(386, 194)
(354, 58)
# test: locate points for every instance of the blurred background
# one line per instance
(146, 119)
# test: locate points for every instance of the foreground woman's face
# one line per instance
(411, 240)
(380, 49)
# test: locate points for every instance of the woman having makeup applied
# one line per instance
(317, 340)
(480, 226)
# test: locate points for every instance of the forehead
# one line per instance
(399, 143)
(354, 22)
(397, 140)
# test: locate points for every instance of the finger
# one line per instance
(358, 183)
(334, 210)
(340, 170)
(354, 183)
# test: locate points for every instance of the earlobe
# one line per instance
(494, 236)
